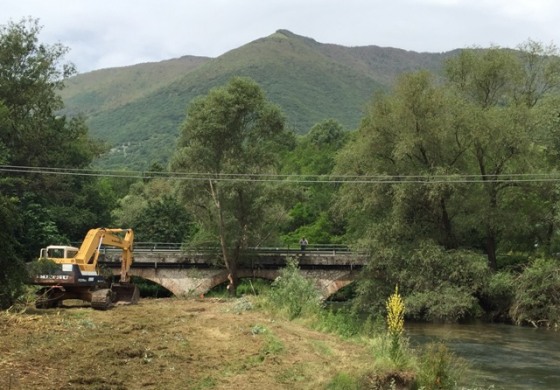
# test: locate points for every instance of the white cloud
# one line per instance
(105, 33)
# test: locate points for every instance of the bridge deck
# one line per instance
(257, 258)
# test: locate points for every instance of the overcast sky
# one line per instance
(108, 33)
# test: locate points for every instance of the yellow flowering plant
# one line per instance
(395, 321)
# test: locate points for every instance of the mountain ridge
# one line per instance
(138, 109)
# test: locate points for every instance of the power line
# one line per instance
(296, 178)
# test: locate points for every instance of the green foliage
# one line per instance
(439, 368)
(230, 133)
(13, 274)
(292, 293)
(498, 295)
(477, 124)
(154, 212)
(164, 221)
(41, 267)
(537, 294)
(342, 381)
(33, 133)
(345, 323)
(314, 155)
(437, 284)
(445, 303)
(140, 107)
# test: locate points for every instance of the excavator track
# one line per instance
(102, 299)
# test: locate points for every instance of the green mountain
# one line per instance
(138, 109)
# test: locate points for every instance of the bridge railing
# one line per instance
(179, 247)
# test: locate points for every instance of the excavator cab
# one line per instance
(58, 252)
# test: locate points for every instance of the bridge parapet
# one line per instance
(263, 258)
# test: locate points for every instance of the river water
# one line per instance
(504, 356)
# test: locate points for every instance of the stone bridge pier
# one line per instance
(197, 281)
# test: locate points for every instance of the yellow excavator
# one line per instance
(76, 273)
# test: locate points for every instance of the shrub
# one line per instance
(293, 293)
(498, 295)
(436, 284)
(439, 368)
(537, 294)
(443, 303)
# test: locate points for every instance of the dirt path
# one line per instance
(169, 344)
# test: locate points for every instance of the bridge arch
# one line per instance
(192, 281)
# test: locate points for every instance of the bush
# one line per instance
(292, 293)
(498, 295)
(439, 368)
(436, 284)
(444, 303)
(12, 279)
(537, 294)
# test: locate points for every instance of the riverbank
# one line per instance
(170, 344)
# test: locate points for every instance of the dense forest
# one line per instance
(449, 183)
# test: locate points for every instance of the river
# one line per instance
(505, 356)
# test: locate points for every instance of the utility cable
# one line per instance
(296, 178)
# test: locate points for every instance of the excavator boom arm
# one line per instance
(90, 248)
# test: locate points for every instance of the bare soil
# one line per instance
(169, 344)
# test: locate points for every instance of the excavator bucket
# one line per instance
(125, 293)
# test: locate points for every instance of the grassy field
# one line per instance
(170, 343)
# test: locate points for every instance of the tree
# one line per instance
(31, 75)
(413, 133)
(453, 163)
(39, 206)
(501, 90)
(314, 158)
(230, 134)
(154, 212)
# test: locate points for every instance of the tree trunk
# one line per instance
(450, 241)
(491, 250)
(230, 262)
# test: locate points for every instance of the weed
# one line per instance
(272, 346)
(439, 367)
(321, 347)
(292, 374)
(241, 305)
(395, 323)
(258, 329)
(342, 381)
(205, 383)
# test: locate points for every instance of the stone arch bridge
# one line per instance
(192, 273)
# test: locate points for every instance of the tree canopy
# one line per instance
(229, 135)
(39, 208)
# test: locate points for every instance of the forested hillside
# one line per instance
(449, 182)
(137, 110)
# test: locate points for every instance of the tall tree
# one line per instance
(230, 134)
(487, 122)
(404, 137)
(501, 88)
(37, 207)
(35, 135)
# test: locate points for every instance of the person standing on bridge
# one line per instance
(303, 243)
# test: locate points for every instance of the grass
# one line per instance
(173, 343)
